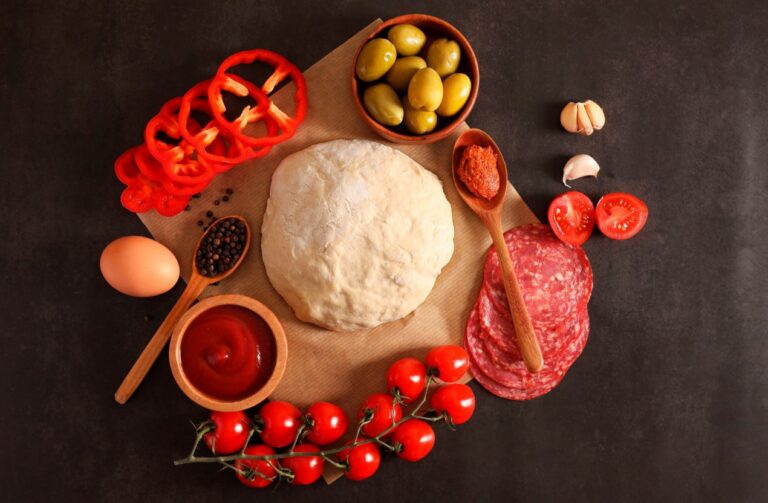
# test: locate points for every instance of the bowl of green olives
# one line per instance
(415, 79)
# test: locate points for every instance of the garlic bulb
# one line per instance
(579, 166)
(583, 118)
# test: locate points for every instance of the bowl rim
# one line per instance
(471, 58)
(208, 401)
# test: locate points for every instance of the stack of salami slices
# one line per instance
(556, 282)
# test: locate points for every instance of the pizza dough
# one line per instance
(355, 233)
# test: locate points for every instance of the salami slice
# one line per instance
(575, 332)
(513, 381)
(501, 330)
(495, 326)
(555, 278)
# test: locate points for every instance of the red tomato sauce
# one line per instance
(478, 171)
(228, 352)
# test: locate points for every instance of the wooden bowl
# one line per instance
(433, 28)
(281, 353)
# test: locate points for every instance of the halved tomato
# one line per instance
(572, 217)
(621, 215)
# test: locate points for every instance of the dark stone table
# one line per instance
(669, 401)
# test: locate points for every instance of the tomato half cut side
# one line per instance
(572, 217)
(621, 215)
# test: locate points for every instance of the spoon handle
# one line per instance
(152, 350)
(526, 338)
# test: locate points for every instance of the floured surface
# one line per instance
(323, 365)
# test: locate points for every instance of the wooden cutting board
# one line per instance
(322, 365)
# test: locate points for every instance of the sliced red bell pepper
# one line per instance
(241, 87)
(144, 191)
(125, 167)
(153, 170)
(180, 162)
(137, 199)
(235, 152)
(164, 172)
(168, 204)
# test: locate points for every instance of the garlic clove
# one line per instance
(585, 125)
(579, 166)
(583, 118)
(568, 118)
(595, 113)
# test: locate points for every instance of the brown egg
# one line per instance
(139, 266)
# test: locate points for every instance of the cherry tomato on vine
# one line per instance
(409, 376)
(456, 400)
(572, 217)
(230, 432)
(451, 362)
(621, 215)
(362, 460)
(279, 423)
(256, 472)
(328, 423)
(383, 413)
(306, 469)
(416, 439)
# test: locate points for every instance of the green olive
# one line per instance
(401, 72)
(425, 91)
(375, 59)
(382, 103)
(407, 39)
(418, 121)
(444, 55)
(456, 90)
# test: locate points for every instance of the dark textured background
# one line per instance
(669, 401)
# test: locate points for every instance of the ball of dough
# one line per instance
(355, 233)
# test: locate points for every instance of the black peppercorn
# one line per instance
(221, 246)
(209, 213)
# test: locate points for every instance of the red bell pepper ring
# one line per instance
(180, 162)
(153, 170)
(241, 87)
(137, 199)
(144, 192)
(168, 204)
(126, 169)
(211, 135)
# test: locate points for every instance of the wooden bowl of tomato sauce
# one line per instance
(228, 352)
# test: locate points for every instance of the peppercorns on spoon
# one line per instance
(218, 253)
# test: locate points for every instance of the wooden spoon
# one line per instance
(489, 212)
(195, 286)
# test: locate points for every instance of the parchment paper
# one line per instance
(341, 367)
